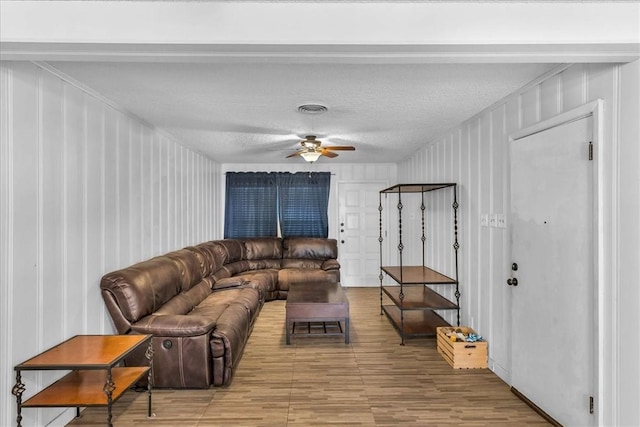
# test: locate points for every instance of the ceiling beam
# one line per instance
(358, 32)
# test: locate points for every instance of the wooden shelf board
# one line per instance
(416, 322)
(417, 274)
(418, 297)
(85, 351)
(85, 388)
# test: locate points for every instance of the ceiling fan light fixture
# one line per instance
(312, 108)
(310, 156)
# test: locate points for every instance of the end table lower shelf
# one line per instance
(96, 379)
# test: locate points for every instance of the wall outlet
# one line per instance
(484, 220)
(501, 221)
(493, 220)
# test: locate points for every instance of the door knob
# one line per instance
(512, 281)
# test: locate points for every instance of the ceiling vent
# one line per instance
(312, 108)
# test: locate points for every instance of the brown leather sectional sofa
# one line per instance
(200, 302)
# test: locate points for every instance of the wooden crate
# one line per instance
(461, 355)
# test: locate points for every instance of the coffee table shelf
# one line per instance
(324, 302)
(96, 377)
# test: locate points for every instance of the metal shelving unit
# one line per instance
(412, 301)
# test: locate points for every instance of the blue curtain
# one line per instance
(303, 199)
(251, 205)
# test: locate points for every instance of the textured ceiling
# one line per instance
(226, 77)
(247, 112)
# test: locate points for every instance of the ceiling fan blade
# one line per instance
(327, 153)
(297, 153)
(340, 148)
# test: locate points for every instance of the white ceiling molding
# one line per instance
(310, 54)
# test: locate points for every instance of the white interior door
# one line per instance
(552, 232)
(358, 246)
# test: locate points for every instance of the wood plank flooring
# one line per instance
(374, 381)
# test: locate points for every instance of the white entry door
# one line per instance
(552, 232)
(358, 246)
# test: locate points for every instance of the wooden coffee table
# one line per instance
(317, 302)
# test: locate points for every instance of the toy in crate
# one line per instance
(461, 347)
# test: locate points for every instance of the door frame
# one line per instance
(595, 110)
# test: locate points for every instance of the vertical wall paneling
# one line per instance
(52, 210)
(485, 237)
(474, 212)
(6, 232)
(74, 126)
(146, 190)
(550, 98)
(629, 243)
(465, 226)
(499, 273)
(85, 188)
(484, 189)
(136, 135)
(531, 106)
(574, 87)
(154, 210)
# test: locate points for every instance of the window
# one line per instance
(251, 205)
(260, 203)
(302, 201)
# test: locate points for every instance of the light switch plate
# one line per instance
(493, 220)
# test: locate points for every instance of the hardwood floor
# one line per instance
(323, 382)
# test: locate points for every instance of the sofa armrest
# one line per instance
(331, 264)
(174, 325)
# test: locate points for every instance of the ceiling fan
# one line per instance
(312, 149)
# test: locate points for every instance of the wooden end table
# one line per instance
(95, 378)
(317, 302)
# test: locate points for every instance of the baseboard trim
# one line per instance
(535, 407)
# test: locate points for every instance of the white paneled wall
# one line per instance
(474, 155)
(84, 189)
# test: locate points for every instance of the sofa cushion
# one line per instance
(264, 264)
(219, 302)
(231, 270)
(330, 264)
(228, 251)
(309, 248)
(144, 287)
(302, 263)
(208, 256)
(265, 281)
(189, 265)
(289, 276)
(260, 248)
(184, 302)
